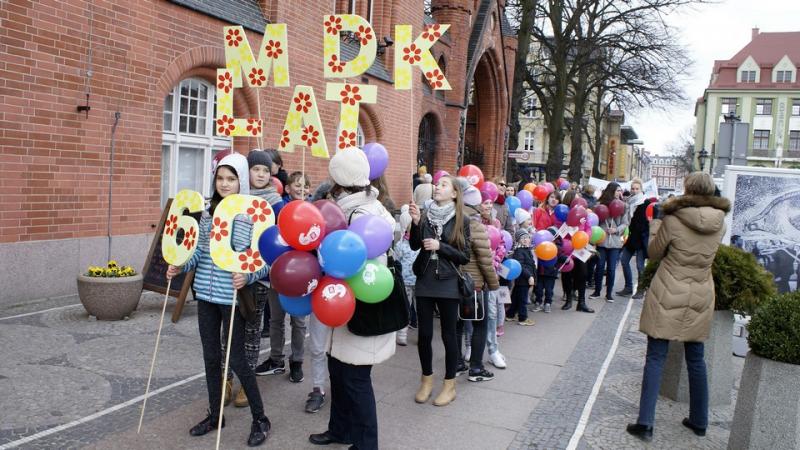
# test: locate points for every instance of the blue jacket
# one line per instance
(211, 283)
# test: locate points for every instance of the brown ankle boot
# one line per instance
(425, 388)
(448, 393)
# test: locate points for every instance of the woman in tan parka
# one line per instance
(680, 301)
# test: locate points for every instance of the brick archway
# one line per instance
(486, 117)
(371, 123)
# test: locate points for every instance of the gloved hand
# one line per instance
(658, 213)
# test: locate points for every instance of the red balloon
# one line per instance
(302, 226)
(602, 212)
(278, 185)
(616, 208)
(576, 215)
(578, 201)
(540, 192)
(649, 211)
(295, 274)
(473, 174)
(333, 302)
(333, 215)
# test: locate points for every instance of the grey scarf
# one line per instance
(438, 216)
(269, 193)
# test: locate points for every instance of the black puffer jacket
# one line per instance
(524, 255)
(639, 228)
(438, 278)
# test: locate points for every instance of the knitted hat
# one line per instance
(472, 196)
(520, 234)
(258, 157)
(520, 215)
(405, 219)
(350, 168)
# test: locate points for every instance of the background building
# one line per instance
(669, 172)
(759, 85)
(152, 64)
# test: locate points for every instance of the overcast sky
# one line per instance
(715, 31)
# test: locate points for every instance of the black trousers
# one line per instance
(575, 280)
(211, 318)
(448, 314)
(478, 338)
(354, 417)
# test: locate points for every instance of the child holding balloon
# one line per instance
(544, 215)
(406, 256)
(214, 290)
(519, 294)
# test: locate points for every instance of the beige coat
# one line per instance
(680, 301)
(481, 262)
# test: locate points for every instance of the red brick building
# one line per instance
(153, 62)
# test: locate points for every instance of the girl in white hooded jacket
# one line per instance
(353, 418)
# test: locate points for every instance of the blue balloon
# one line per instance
(271, 244)
(562, 211)
(513, 203)
(549, 262)
(276, 208)
(296, 306)
(342, 254)
(514, 269)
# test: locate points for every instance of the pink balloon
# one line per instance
(508, 241)
(602, 212)
(579, 201)
(566, 247)
(439, 174)
(495, 238)
(489, 191)
(549, 187)
(333, 215)
(576, 215)
(568, 266)
(616, 208)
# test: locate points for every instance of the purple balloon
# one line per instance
(542, 236)
(508, 241)
(525, 199)
(376, 232)
(564, 185)
(592, 219)
(378, 159)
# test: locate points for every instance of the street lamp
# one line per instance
(702, 157)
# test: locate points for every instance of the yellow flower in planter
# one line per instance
(112, 264)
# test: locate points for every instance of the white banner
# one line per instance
(650, 188)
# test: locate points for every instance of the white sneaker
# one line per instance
(467, 353)
(498, 360)
(402, 337)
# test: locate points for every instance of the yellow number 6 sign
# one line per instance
(174, 253)
(222, 252)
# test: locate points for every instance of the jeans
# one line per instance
(252, 330)
(651, 381)
(354, 415)
(607, 264)
(318, 334)
(277, 325)
(493, 307)
(476, 335)
(448, 314)
(626, 265)
(412, 300)
(519, 297)
(211, 317)
(544, 285)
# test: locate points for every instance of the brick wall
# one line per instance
(54, 161)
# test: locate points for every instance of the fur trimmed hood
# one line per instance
(703, 214)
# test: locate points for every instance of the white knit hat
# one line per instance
(405, 218)
(350, 168)
(520, 215)
(472, 196)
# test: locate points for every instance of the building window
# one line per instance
(796, 106)
(529, 138)
(360, 139)
(188, 139)
(748, 76)
(728, 105)
(761, 140)
(794, 141)
(530, 107)
(763, 106)
(784, 76)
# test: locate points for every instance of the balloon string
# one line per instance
(225, 367)
(155, 352)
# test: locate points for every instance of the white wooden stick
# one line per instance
(155, 352)
(225, 368)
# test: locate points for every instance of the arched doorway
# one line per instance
(426, 142)
(485, 124)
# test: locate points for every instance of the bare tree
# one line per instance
(683, 149)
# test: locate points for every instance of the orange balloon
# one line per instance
(529, 187)
(546, 251)
(579, 240)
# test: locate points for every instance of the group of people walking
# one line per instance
(440, 235)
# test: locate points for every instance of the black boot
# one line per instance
(208, 424)
(259, 432)
(568, 304)
(642, 432)
(582, 304)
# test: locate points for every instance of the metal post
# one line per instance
(117, 115)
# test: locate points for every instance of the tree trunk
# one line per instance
(527, 15)
(598, 136)
(578, 126)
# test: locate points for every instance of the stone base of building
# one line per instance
(45, 269)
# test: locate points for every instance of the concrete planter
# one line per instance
(767, 411)
(719, 365)
(110, 298)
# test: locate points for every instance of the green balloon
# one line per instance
(598, 235)
(373, 283)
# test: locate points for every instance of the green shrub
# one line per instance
(775, 329)
(740, 283)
